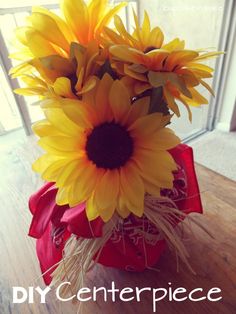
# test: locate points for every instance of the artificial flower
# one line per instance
(149, 63)
(87, 21)
(60, 54)
(143, 38)
(106, 151)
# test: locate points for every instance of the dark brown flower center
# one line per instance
(109, 146)
(73, 80)
(150, 48)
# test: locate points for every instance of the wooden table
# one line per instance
(213, 259)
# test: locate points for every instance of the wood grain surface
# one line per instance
(213, 258)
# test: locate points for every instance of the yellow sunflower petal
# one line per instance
(146, 27)
(152, 189)
(124, 53)
(69, 173)
(156, 167)
(175, 44)
(196, 100)
(62, 195)
(84, 186)
(199, 66)
(138, 109)
(207, 86)
(20, 69)
(113, 36)
(121, 29)
(163, 139)
(132, 188)
(108, 16)
(43, 162)
(102, 98)
(119, 105)
(156, 37)
(91, 209)
(138, 76)
(43, 23)
(59, 119)
(43, 128)
(166, 139)
(22, 55)
(177, 58)
(146, 125)
(89, 97)
(141, 87)
(109, 182)
(209, 55)
(137, 30)
(201, 73)
(78, 112)
(57, 144)
(171, 102)
(96, 9)
(38, 45)
(33, 81)
(106, 213)
(62, 87)
(122, 209)
(20, 33)
(51, 173)
(60, 22)
(88, 85)
(190, 116)
(76, 15)
(29, 91)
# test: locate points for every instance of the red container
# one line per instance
(127, 248)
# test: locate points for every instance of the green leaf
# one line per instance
(157, 103)
(76, 48)
(158, 79)
(58, 63)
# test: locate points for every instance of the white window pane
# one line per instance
(198, 22)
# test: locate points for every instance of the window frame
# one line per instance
(222, 65)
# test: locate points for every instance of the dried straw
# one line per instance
(79, 253)
(78, 259)
(164, 218)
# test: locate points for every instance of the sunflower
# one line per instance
(87, 21)
(106, 151)
(60, 54)
(143, 38)
(149, 63)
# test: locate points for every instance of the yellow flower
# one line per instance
(87, 21)
(106, 151)
(148, 63)
(54, 75)
(143, 38)
(61, 53)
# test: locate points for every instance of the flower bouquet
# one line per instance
(118, 179)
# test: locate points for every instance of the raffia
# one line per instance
(78, 259)
(79, 253)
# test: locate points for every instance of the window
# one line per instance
(199, 22)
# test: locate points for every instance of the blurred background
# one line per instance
(201, 23)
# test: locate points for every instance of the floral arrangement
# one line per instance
(118, 179)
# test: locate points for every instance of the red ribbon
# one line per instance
(127, 249)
